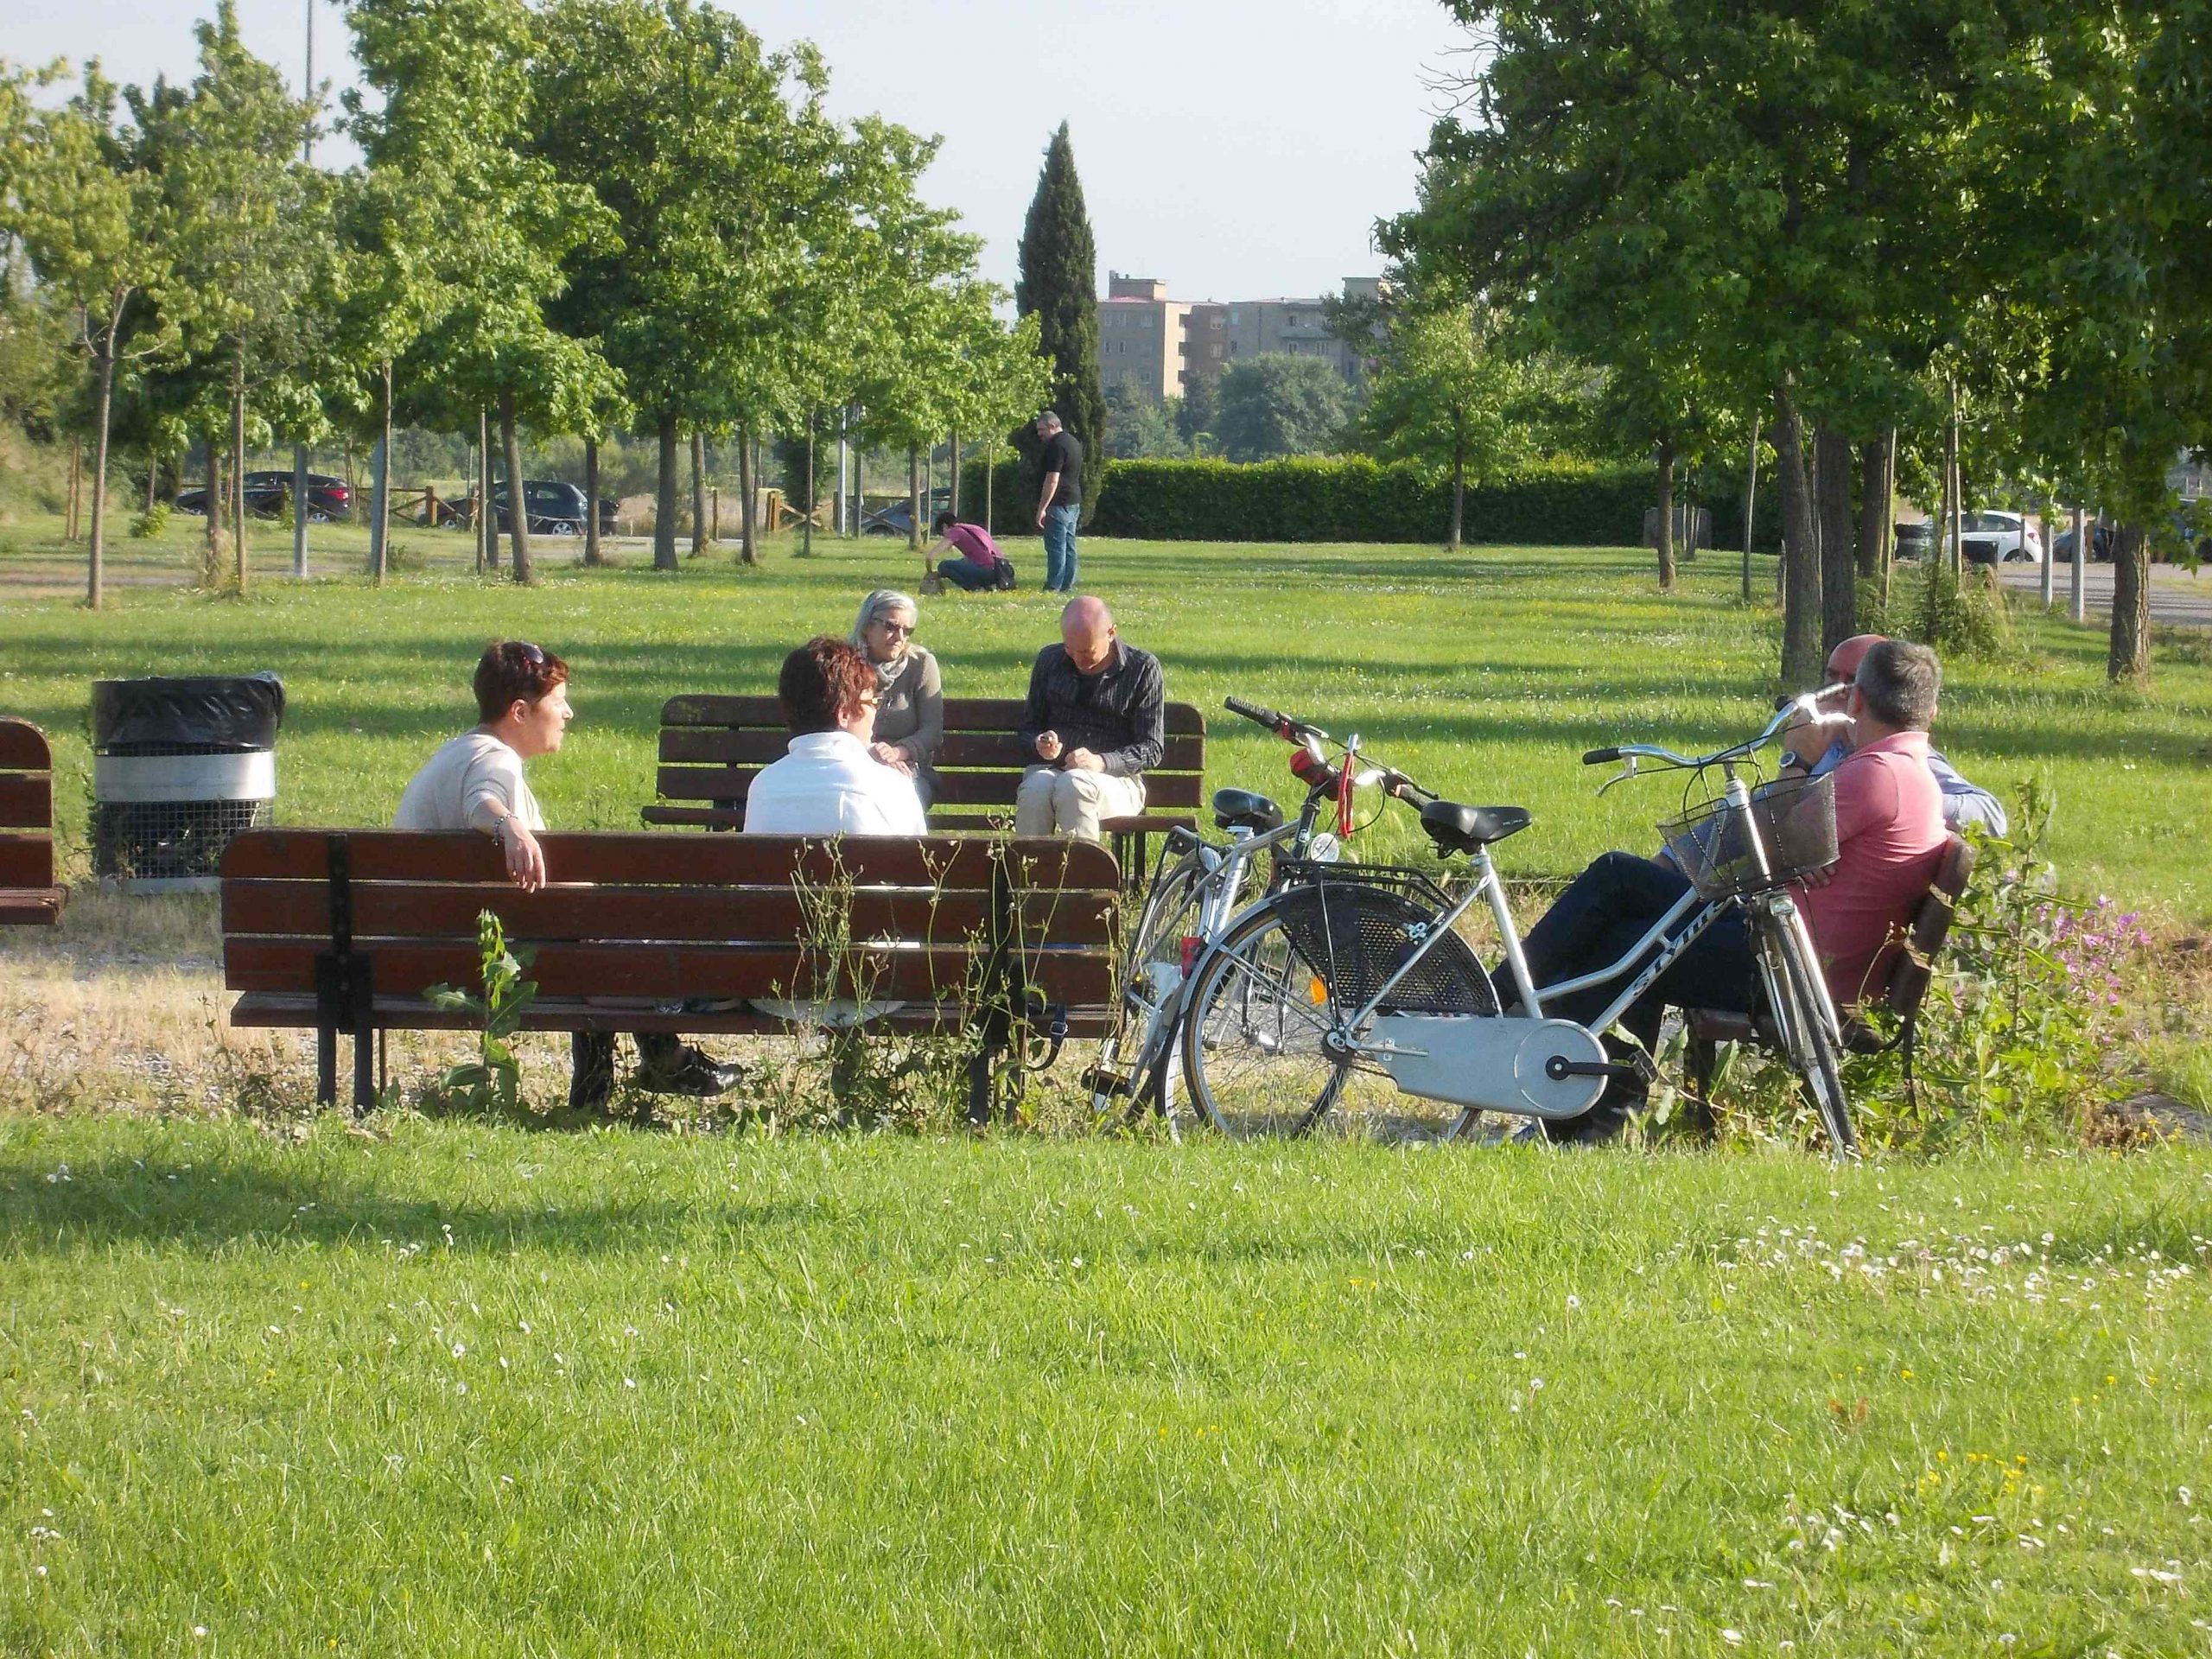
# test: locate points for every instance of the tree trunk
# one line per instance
(594, 553)
(749, 475)
(806, 533)
(299, 513)
(70, 513)
(1457, 534)
(214, 497)
(153, 479)
(95, 562)
(1839, 569)
(1873, 507)
(1802, 656)
(1953, 548)
(1666, 517)
(914, 498)
(2078, 580)
(2047, 575)
(990, 480)
(380, 486)
(1750, 504)
(487, 515)
(517, 496)
(2131, 604)
(665, 495)
(699, 491)
(237, 466)
(954, 502)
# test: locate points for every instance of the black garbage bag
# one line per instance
(231, 714)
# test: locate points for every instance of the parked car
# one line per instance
(898, 518)
(554, 509)
(328, 498)
(2062, 549)
(1914, 541)
(1999, 538)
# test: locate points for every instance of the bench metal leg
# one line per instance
(326, 1065)
(365, 1070)
(1704, 1058)
(980, 1071)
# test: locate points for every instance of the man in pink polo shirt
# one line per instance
(1889, 837)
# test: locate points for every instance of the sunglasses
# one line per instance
(530, 653)
(904, 630)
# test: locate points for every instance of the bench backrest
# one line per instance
(710, 748)
(1915, 967)
(665, 917)
(26, 807)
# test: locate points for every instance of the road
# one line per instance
(2177, 598)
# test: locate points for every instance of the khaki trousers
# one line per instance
(1052, 801)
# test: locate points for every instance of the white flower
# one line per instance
(1731, 1637)
(1572, 1302)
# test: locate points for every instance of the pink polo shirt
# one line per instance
(1889, 837)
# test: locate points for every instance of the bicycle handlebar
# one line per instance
(1807, 706)
(1600, 757)
(1254, 713)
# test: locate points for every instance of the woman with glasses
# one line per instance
(909, 696)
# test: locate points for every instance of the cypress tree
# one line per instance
(1059, 282)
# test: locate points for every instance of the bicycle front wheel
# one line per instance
(1798, 999)
(1132, 1053)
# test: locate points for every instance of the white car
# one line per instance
(1999, 538)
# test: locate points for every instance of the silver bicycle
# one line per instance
(1199, 886)
(1349, 993)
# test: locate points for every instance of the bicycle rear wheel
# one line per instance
(1798, 994)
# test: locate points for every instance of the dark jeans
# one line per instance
(966, 573)
(1606, 909)
(1059, 548)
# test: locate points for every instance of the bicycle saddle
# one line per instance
(1246, 808)
(1457, 829)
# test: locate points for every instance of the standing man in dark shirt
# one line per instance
(1060, 503)
(1093, 722)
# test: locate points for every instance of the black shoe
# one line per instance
(690, 1072)
(1607, 1120)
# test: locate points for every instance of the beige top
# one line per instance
(910, 707)
(458, 785)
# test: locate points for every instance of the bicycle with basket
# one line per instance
(1348, 993)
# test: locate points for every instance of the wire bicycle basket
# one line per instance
(1350, 927)
(1794, 820)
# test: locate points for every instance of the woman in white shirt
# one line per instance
(828, 784)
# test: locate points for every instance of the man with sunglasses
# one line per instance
(476, 782)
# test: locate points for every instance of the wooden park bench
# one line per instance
(1005, 942)
(1911, 970)
(711, 747)
(29, 896)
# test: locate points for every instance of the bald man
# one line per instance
(1093, 723)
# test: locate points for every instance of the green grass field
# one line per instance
(1484, 674)
(467, 1391)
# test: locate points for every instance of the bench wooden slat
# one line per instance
(729, 746)
(26, 801)
(614, 857)
(964, 713)
(670, 972)
(955, 789)
(292, 1009)
(26, 860)
(704, 915)
(31, 906)
(23, 747)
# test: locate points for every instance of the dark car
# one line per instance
(555, 508)
(1914, 541)
(898, 518)
(266, 492)
(2099, 544)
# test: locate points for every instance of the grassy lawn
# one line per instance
(1485, 674)
(472, 1392)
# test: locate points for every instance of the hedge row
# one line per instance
(1559, 504)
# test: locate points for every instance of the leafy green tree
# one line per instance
(1279, 405)
(1059, 285)
(1137, 429)
(1008, 378)
(74, 191)
(1443, 392)
(1198, 410)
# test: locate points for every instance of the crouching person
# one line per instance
(476, 782)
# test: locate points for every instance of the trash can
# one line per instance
(178, 768)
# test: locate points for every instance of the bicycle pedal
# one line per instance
(1101, 1081)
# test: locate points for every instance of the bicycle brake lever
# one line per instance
(1627, 772)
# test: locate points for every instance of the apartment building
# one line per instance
(1158, 346)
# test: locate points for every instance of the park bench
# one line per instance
(1004, 942)
(1911, 970)
(711, 747)
(29, 896)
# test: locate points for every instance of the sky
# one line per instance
(1238, 149)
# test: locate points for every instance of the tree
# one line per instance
(89, 215)
(1060, 286)
(1008, 378)
(1137, 429)
(1442, 393)
(1198, 410)
(1278, 404)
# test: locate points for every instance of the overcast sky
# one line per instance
(1236, 148)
